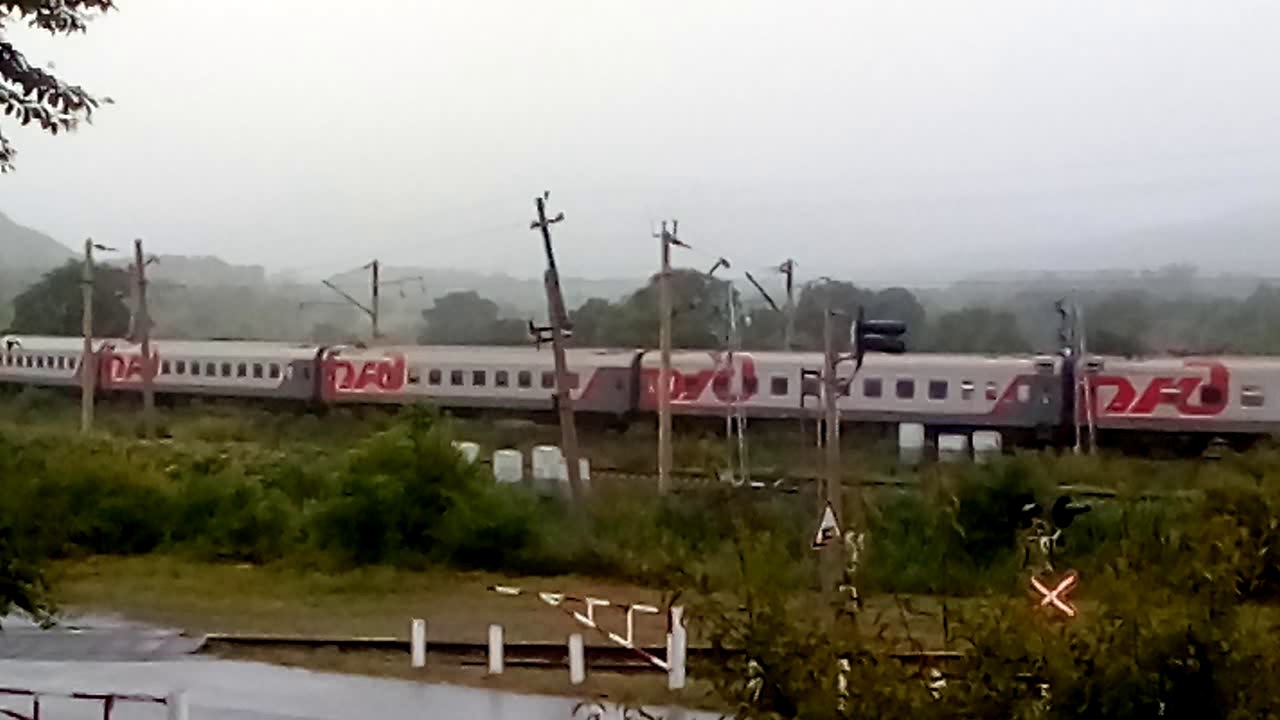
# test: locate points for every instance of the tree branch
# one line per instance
(30, 94)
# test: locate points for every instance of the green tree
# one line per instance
(1119, 323)
(465, 318)
(593, 323)
(977, 330)
(54, 305)
(29, 94)
(845, 298)
(815, 298)
(698, 312)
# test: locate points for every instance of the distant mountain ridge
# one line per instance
(24, 248)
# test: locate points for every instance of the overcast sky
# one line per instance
(860, 138)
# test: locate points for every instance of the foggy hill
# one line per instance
(24, 248)
(520, 297)
(1243, 243)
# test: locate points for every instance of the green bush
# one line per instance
(232, 517)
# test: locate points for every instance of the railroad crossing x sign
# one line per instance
(1056, 597)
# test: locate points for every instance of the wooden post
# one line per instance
(88, 361)
(664, 373)
(559, 319)
(142, 324)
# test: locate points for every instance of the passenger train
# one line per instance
(1036, 398)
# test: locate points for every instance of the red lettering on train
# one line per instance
(690, 387)
(1178, 392)
(365, 376)
(129, 368)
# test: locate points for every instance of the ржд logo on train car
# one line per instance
(128, 368)
(691, 387)
(379, 375)
(1190, 394)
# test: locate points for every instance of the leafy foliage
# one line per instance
(54, 305)
(465, 318)
(30, 94)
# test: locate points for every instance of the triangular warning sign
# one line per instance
(827, 528)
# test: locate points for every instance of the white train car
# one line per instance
(1228, 395)
(243, 369)
(935, 389)
(42, 361)
(517, 378)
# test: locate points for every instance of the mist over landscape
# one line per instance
(987, 159)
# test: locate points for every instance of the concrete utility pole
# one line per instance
(559, 319)
(88, 361)
(373, 296)
(142, 326)
(788, 269)
(832, 495)
(667, 239)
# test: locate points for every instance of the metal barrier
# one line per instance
(176, 703)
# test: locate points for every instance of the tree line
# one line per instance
(1135, 321)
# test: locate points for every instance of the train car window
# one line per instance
(478, 378)
(257, 371)
(62, 363)
(48, 359)
(415, 377)
(40, 361)
(966, 389)
(1251, 396)
(1024, 393)
(211, 369)
(273, 371)
(778, 386)
(165, 368)
(501, 379)
(993, 393)
(872, 387)
(524, 379)
(455, 377)
(242, 370)
(548, 380)
(1210, 395)
(181, 367)
(195, 368)
(937, 389)
(434, 376)
(906, 389)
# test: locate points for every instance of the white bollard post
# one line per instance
(418, 643)
(176, 706)
(677, 650)
(577, 660)
(495, 650)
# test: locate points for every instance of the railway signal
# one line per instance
(883, 336)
